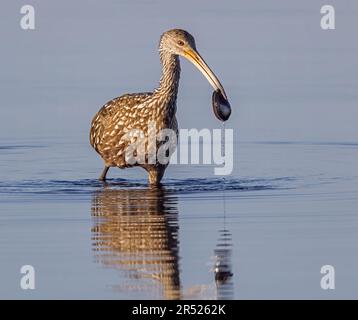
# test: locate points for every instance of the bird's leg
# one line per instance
(155, 174)
(104, 173)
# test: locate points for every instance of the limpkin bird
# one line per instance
(135, 111)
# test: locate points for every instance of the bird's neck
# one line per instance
(169, 81)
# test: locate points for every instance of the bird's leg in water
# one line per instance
(104, 173)
(155, 174)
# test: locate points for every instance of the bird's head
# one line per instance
(182, 43)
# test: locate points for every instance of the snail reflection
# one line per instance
(136, 232)
(223, 267)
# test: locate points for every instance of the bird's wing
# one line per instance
(114, 115)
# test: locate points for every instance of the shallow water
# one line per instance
(252, 235)
(288, 208)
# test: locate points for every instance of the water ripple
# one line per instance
(181, 186)
(16, 147)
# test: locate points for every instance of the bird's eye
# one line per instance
(181, 43)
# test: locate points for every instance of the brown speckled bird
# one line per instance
(135, 111)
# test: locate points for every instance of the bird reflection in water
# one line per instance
(136, 231)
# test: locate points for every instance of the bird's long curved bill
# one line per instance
(198, 61)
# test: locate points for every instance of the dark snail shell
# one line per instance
(221, 106)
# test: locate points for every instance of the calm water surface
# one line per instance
(252, 235)
(289, 207)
